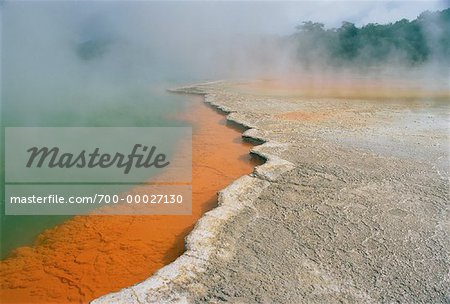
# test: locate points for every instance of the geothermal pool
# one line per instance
(87, 256)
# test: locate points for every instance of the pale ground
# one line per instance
(352, 207)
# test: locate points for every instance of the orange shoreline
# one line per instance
(89, 256)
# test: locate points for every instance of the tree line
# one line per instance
(413, 42)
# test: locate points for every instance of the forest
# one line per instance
(424, 39)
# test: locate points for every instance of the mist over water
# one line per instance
(109, 63)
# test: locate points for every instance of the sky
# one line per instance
(332, 13)
(281, 17)
(277, 17)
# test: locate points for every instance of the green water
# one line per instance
(136, 107)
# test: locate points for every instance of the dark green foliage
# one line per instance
(349, 41)
(92, 48)
(412, 42)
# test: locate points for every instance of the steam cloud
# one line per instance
(57, 56)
